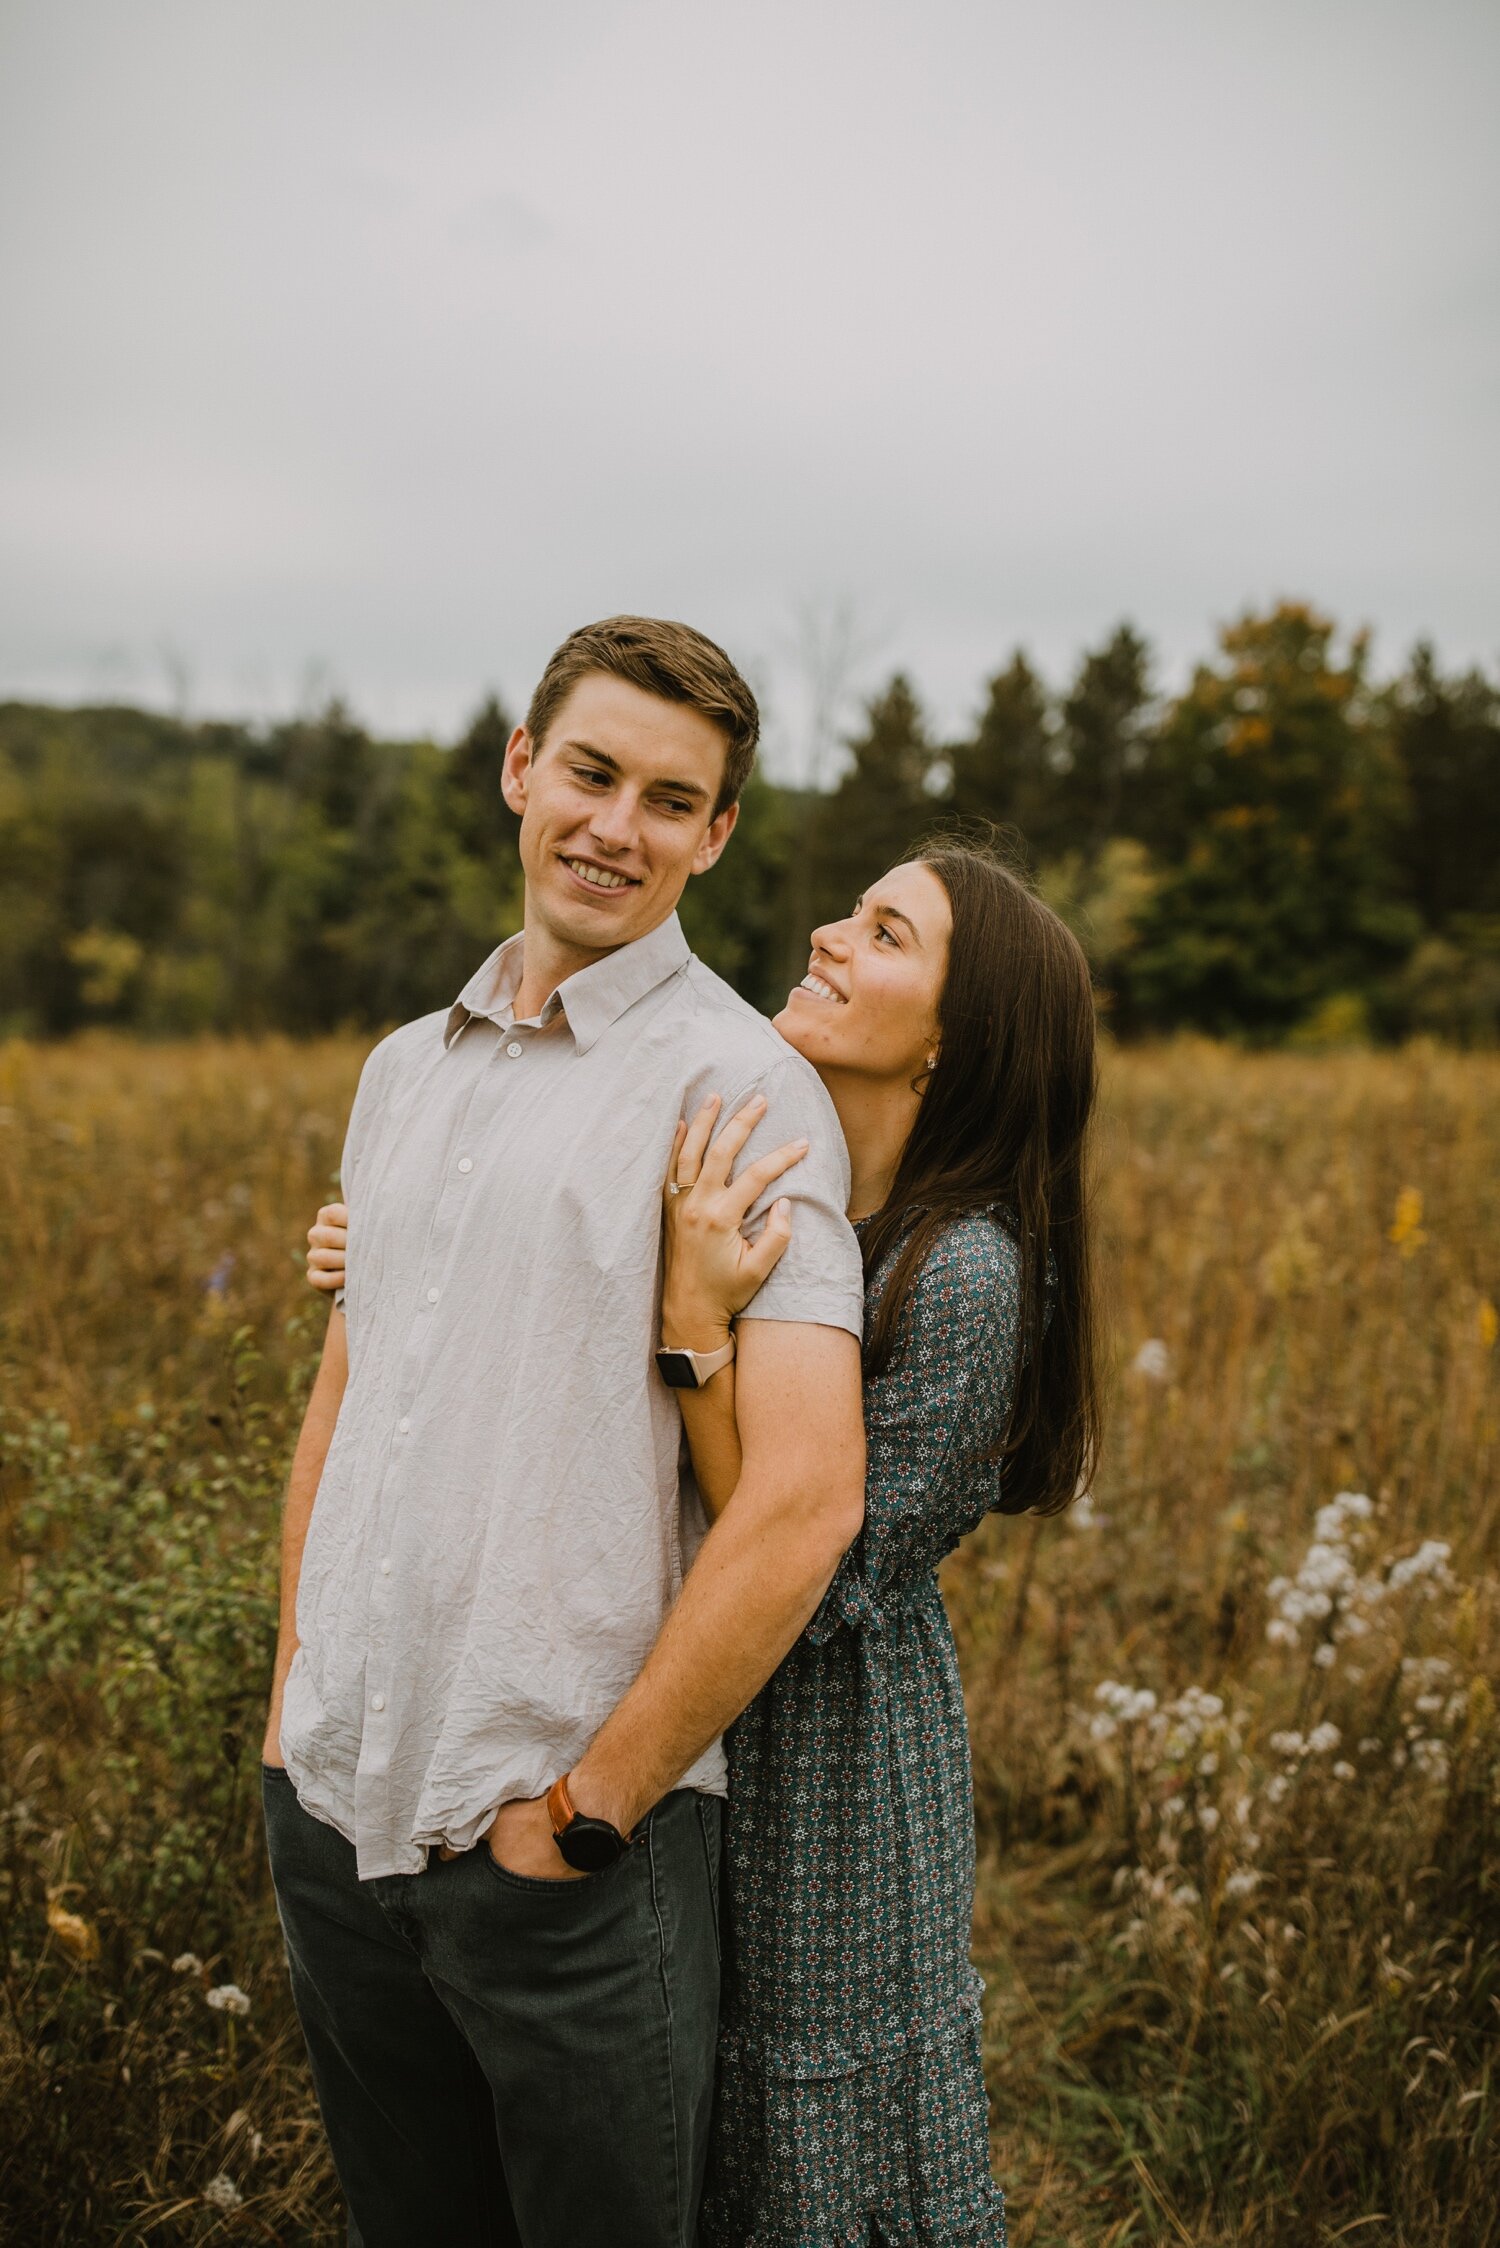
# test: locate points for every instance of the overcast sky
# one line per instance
(368, 346)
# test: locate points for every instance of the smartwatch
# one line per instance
(587, 1845)
(690, 1369)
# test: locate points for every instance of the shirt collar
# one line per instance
(592, 1000)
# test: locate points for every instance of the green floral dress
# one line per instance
(851, 2105)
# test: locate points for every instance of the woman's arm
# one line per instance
(711, 1272)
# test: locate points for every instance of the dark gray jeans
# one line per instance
(502, 2062)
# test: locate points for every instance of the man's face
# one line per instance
(617, 810)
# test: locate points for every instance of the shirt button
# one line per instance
(377, 1703)
(385, 1566)
(466, 1164)
(404, 1425)
(515, 1049)
(432, 1295)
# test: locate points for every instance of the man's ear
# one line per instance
(515, 770)
(715, 836)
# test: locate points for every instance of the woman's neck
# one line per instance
(876, 1115)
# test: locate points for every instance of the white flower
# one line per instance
(228, 1998)
(1242, 1884)
(1287, 1744)
(1102, 1727)
(1128, 1704)
(1431, 1759)
(1343, 1770)
(1281, 1633)
(1369, 1745)
(187, 1963)
(1208, 1817)
(1323, 1739)
(1325, 1656)
(1208, 1765)
(1276, 1789)
(1185, 1896)
(1429, 1561)
(1153, 1361)
(1428, 1705)
(222, 2192)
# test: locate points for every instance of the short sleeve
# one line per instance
(819, 1282)
(356, 1136)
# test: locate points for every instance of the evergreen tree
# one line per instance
(882, 805)
(1283, 796)
(1447, 738)
(1008, 773)
(1104, 777)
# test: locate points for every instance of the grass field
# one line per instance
(1237, 1756)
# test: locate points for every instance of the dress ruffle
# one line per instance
(815, 2161)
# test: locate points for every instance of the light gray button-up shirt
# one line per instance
(505, 1514)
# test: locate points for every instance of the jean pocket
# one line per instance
(537, 1885)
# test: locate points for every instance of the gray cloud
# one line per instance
(398, 340)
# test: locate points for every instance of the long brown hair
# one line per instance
(1004, 1120)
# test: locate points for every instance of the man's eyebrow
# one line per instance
(602, 757)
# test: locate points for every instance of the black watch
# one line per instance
(587, 1845)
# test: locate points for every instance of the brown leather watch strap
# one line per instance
(560, 1805)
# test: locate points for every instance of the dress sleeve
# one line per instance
(933, 1422)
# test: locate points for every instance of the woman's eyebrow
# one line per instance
(894, 913)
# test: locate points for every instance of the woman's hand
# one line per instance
(327, 1242)
(712, 1271)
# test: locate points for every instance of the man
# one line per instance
(509, 2006)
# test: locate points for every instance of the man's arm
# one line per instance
(302, 1489)
(760, 1575)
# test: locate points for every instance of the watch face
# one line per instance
(677, 1369)
(589, 1845)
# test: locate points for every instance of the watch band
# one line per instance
(588, 1845)
(690, 1369)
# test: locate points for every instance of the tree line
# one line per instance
(1286, 849)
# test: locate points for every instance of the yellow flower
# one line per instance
(77, 1936)
(1489, 1323)
(1406, 1226)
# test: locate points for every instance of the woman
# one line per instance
(951, 1019)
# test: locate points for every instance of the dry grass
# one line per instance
(1228, 2006)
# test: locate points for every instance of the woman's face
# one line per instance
(869, 1001)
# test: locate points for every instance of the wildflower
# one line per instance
(1430, 1758)
(1185, 1896)
(228, 1998)
(1287, 1744)
(1153, 1361)
(1322, 1739)
(1208, 1765)
(1123, 1705)
(1430, 1562)
(1369, 1745)
(1405, 1229)
(187, 1963)
(78, 1937)
(1243, 1883)
(222, 2192)
(1343, 1770)
(1325, 1655)
(216, 1283)
(1208, 1817)
(1276, 1789)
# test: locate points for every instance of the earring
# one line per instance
(931, 1063)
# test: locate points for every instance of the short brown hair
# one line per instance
(665, 659)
